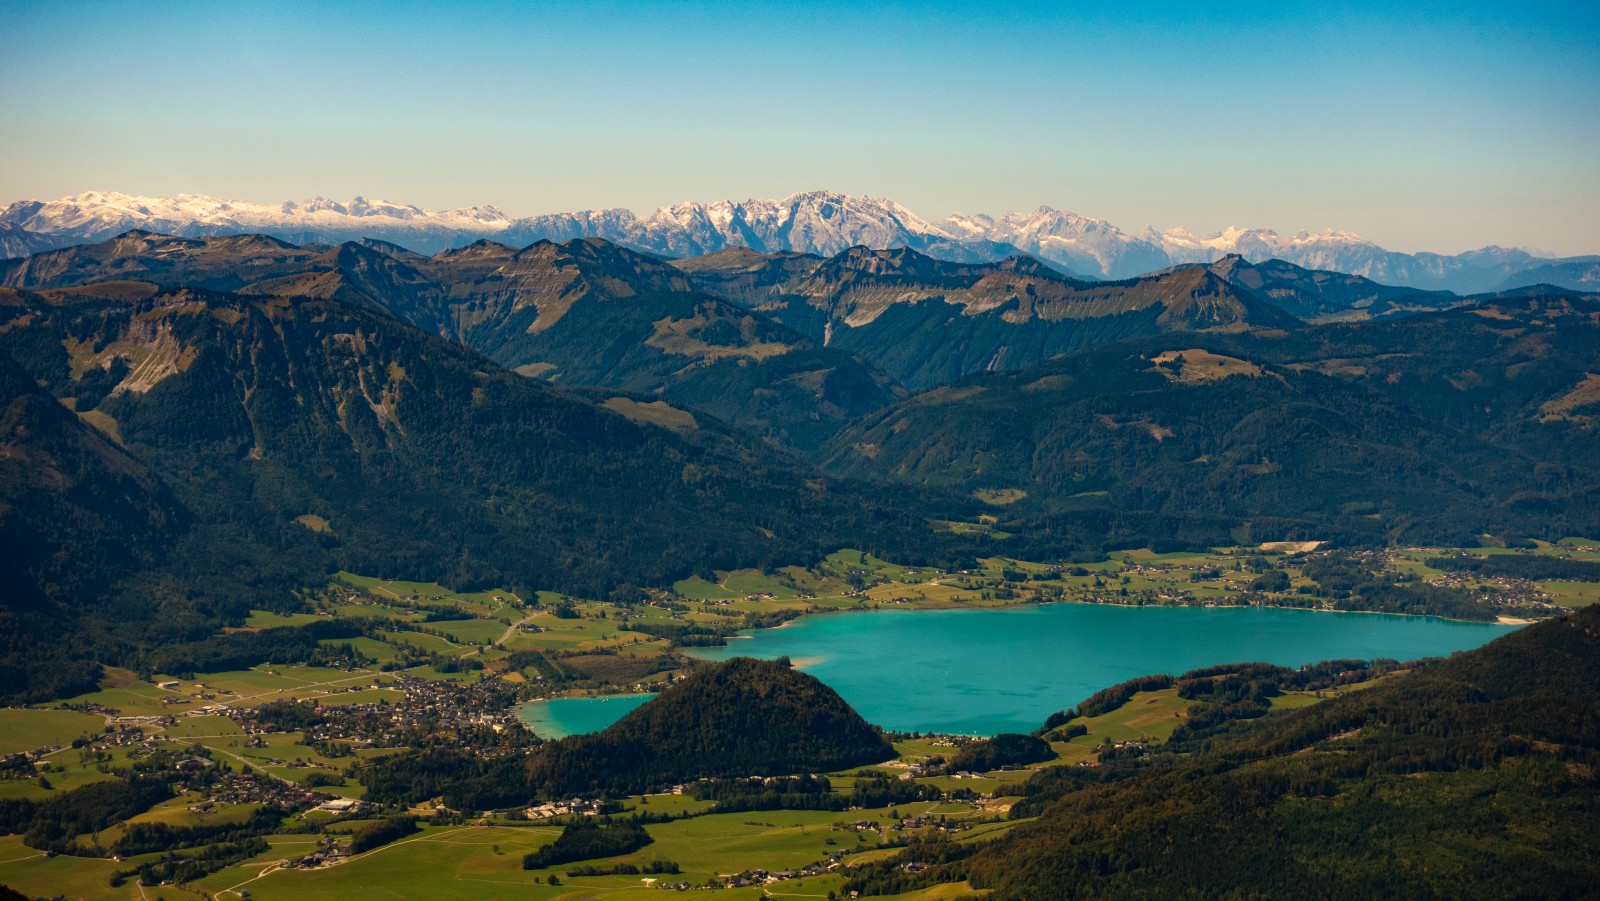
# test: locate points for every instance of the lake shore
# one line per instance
(987, 670)
(933, 606)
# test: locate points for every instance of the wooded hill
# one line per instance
(742, 717)
(738, 718)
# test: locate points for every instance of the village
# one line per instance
(426, 707)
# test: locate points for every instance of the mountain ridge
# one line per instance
(582, 312)
(801, 334)
(1428, 428)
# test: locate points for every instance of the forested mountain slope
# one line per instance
(1435, 427)
(78, 515)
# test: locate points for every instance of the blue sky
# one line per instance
(1441, 127)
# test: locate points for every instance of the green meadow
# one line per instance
(1148, 716)
(24, 730)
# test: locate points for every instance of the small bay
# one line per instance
(561, 717)
(1004, 670)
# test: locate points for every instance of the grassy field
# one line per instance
(740, 584)
(1294, 699)
(374, 648)
(143, 699)
(1148, 716)
(66, 771)
(433, 644)
(698, 589)
(472, 862)
(179, 812)
(1572, 594)
(471, 631)
(25, 730)
(752, 581)
(262, 619)
(426, 592)
(363, 696)
(37, 876)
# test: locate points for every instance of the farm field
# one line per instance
(23, 730)
(477, 861)
(1148, 716)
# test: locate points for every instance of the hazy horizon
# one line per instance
(1421, 128)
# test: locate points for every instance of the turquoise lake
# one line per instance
(986, 671)
(562, 717)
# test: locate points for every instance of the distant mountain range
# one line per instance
(817, 222)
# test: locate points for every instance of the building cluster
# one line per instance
(1504, 591)
(928, 821)
(760, 877)
(578, 806)
(341, 806)
(857, 826)
(241, 788)
(328, 853)
(427, 707)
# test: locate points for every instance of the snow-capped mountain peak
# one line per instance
(966, 225)
(819, 222)
(100, 212)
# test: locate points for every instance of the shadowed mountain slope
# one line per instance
(78, 515)
(315, 406)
